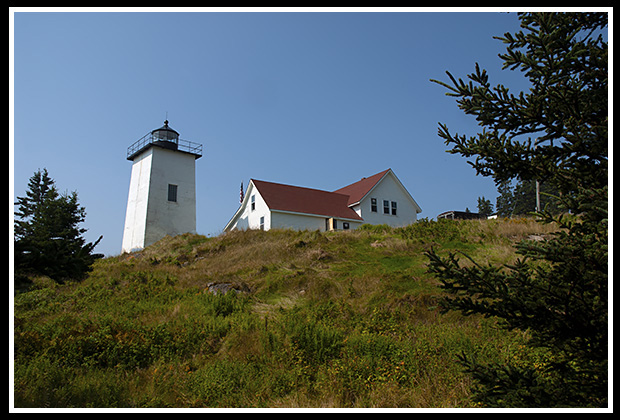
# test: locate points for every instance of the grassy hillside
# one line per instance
(338, 319)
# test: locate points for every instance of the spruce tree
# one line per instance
(520, 200)
(557, 290)
(485, 208)
(48, 240)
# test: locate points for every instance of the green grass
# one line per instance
(341, 319)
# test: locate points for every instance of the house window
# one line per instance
(253, 203)
(345, 225)
(393, 208)
(386, 207)
(262, 223)
(335, 225)
(172, 192)
(373, 205)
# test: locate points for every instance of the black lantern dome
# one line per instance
(165, 133)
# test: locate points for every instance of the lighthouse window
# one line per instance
(172, 192)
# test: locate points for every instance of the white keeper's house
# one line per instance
(378, 199)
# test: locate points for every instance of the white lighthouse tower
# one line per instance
(162, 190)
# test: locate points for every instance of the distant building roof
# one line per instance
(460, 215)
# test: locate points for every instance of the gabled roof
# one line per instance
(305, 200)
(359, 189)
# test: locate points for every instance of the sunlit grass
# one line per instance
(340, 319)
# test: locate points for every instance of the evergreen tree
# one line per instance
(485, 208)
(521, 200)
(557, 291)
(504, 204)
(48, 239)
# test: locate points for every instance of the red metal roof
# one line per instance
(359, 189)
(305, 200)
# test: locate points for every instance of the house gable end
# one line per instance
(388, 203)
(247, 217)
(391, 175)
(361, 190)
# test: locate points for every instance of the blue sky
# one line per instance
(311, 99)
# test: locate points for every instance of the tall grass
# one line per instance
(341, 319)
